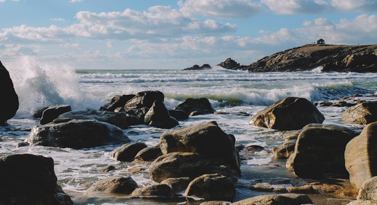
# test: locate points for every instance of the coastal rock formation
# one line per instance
(158, 116)
(76, 134)
(117, 119)
(117, 101)
(282, 199)
(121, 185)
(177, 184)
(30, 179)
(363, 113)
(197, 67)
(144, 99)
(187, 164)
(319, 151)
(207, 139)
(51, 113)
(361, 156)
(127, 152)
(179, 114)
(368, 190)
(339, 58)
(196, 106)
(156, 191)
(9, 99)
(231, 64)
(290, 113)
(149, 153)
(211, 187)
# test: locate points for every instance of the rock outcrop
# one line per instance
(144, 99)
(197, 67)
(290, 113)
(51, 113)
(231, 64)
(116, 101)
(121, 185)
(363, 113)
(9, 99)
(76, 134)
(361, 156)
(30, 179)
(319, 151)
(196, 106)
(127, 152)
(158, 116)
(368, 190)
(339, 58)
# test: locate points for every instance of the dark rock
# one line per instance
(116, 101)
(177, 184)
(290, 113)
(361, 156)
(281, 199)
(284, 151)
(149, 153)
(127, 152)
(38, 113)
(158, 116)
(254, 148)
(186, 164)
(206, 139)
(200, 105)
(179, 114)
(9, 99)
(108, 168)
(197, 67)
(231, 64)
(363, 113)
(117, 119)
(212, 187)
(157, 191)
(30, 179)
(319, 151)
(76, 134)
(122, 185)
(361, 58)
(51, 113)
(144, 99)
(136, 116)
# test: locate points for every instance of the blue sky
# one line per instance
(170, 34)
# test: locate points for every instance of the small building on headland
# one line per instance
(321, 42)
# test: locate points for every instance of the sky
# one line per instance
(171, 34)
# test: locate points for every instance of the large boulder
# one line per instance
(186, 164)
(121, 185)
(117, 119)
(231, 64)
(196, 106)
(280, 199)
(212, 187)
(361, 156)
(156, 191)
(76, 134)
(144, 99)
(158, 116)
(206, 139)
(127, 152)
(116, 101)
(368, 190)
(9, 99)
(30, 179)
(319, 151)
(290, 113)
(136, 116)
(149, 153)
(51, 113)
(363, 113)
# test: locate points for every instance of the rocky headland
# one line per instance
(339, 58)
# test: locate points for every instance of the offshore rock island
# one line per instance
(338, 58)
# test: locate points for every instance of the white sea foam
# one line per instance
(39, 84)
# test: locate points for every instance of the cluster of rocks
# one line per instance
(197, 67)
(231, 64)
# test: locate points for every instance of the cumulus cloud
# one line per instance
(355, 5)
(157, 22)
(297, 6)
(58, 19)
(221, 8)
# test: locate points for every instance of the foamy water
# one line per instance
(237, 93)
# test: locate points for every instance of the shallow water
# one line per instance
(237, 94)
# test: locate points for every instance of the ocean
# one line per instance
(236, 95)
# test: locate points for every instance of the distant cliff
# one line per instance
(339, 58)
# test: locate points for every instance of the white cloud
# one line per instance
(58, 19)
(220, 8)
(297, 6)
(76, 1)
(355, 5)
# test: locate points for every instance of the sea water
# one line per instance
(237, 95)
